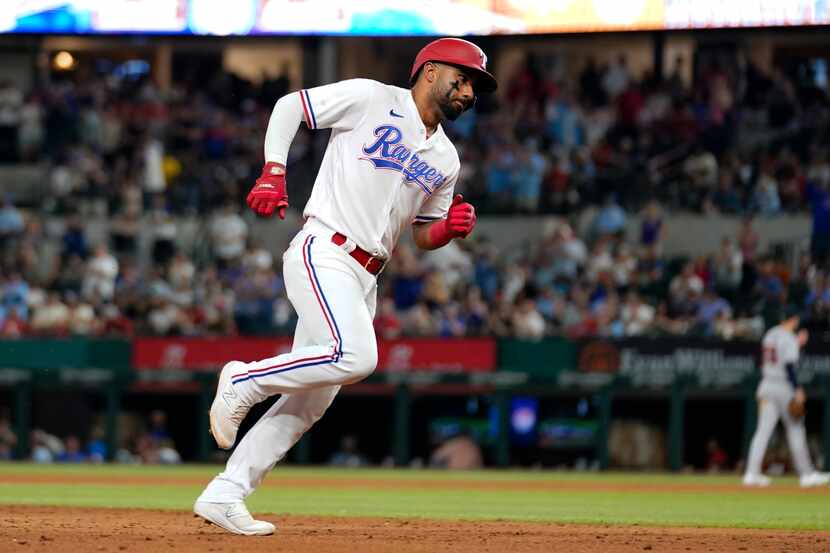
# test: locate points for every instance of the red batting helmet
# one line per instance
(461, 53)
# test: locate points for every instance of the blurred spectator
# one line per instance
(13, 325)
(82, 320)
(31, 133)
(770, 285)
(452, 323)
(610, 221)
(765, 199)
(181, 271)
(163, 231)
(153, 178)
(124, 231)
(458, 452)
(348, 455)
(709, 309)
(684, 290)
(100, 274)
(228, 233)
(819, 197)
(748, 239)
(636, 316)
(14, 296)
(72, 452)
(617, 77)
(716, 458)
(158, 426)
(387, 323)
(454, 263)
(725, 197)
(114, 322)
(74, 238)
(650, 267)
(11, 224)
(11, 103)
(728, 265)
(152, 451)
(97, 447)
(651, 226)
(569, 253)
(8, 439)
(527, 322)
(256, 257)
(527, 179)
(52, 318)
(435, 292)
(486, 272)
(624, 267)
(46, 448)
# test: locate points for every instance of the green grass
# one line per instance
(715, 501)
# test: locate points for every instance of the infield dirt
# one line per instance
(76, 530)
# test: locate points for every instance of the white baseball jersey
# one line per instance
(380, 172)
(780, 347)
(379, 175)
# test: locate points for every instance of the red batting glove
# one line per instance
(461, 218)
(269, 192)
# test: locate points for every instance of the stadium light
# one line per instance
(63, 61)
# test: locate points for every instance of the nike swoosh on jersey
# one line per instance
(393, 114)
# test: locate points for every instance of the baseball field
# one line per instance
(79, 508)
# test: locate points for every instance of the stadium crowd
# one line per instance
(736, 141)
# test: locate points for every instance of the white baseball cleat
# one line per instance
(814, 479)
(756, 480)
(228, 408)
(233, 517)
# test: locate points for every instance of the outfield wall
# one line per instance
(578, 393)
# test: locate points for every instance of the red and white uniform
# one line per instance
(380, 174)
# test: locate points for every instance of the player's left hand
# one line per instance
(797, 409)
(803, 336)
(269, 193)
(461, 217)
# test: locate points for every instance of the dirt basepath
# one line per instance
(73, 530)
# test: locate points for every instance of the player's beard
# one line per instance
(447, 105)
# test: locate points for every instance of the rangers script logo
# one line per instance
(387, 152)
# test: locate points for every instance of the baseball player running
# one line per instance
(779, 386)
(388, 166)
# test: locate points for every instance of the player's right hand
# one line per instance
(803, 336)
(269, 193)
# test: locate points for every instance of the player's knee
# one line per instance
(362, 360)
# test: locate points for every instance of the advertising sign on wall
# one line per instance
(709, 363)
(208, 354)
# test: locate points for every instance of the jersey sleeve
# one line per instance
(438, 203)
(789, 353)
(340, 105)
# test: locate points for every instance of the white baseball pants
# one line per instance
(773, 398)
(334, 344)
